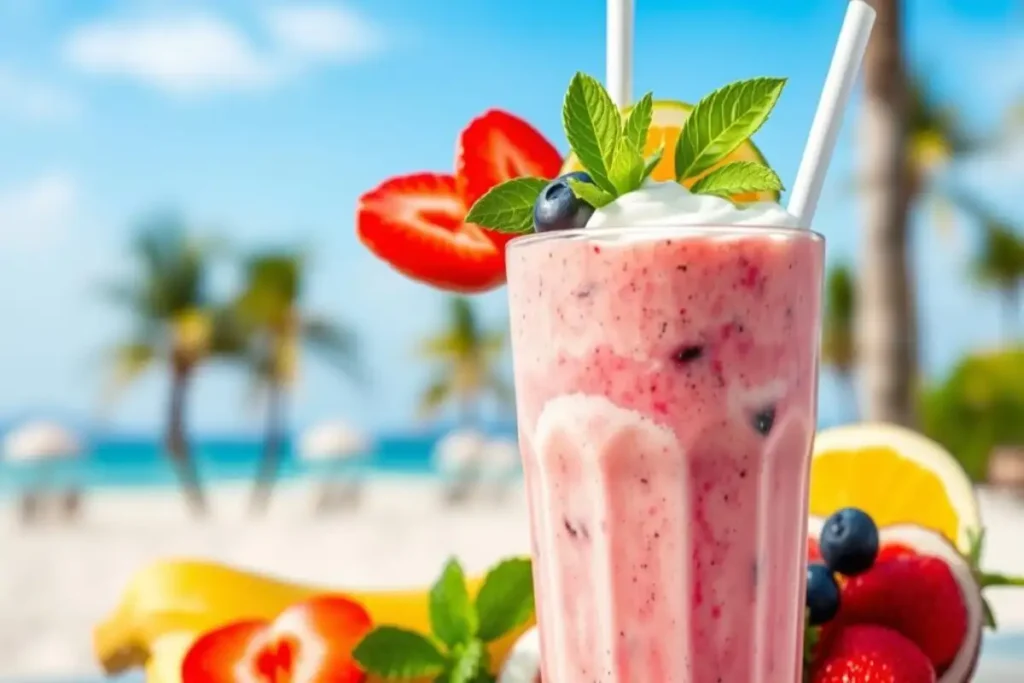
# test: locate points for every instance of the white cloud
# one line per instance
(36, 213)
(25, 98)
(322, 31)
(185, 55)
(198, 53)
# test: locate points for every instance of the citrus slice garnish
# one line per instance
(895, 475)
(666, 124)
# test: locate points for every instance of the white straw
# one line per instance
(619, 64)
(853, 41)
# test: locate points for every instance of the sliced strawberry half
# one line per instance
(416, 224)
(214, 656)
(498, 146)
(310, 642)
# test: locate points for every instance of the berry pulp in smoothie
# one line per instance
(666, 381)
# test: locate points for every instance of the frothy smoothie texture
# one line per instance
(665, 350)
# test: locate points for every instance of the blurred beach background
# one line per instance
(166, 164)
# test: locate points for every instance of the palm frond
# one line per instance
(127, 362)
(335, 344)
(438, 392)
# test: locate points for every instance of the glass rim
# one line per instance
(655, 232)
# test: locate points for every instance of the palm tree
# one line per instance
(886, 324)
(275, 329)
(175, 326)
(906, 138)
(1000, 265)
(467, 358)
(837, 343)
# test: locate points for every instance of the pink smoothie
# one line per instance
(666, 389)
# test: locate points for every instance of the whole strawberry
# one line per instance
(916, 595)
(871, 654)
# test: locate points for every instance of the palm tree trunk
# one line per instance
(886, 325)
(270, 461)
(176, 442)
(1011, 313)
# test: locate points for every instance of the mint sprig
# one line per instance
(456, 649)
(738, 177)
(723, 121)
(610, 148)
(508, 207)
(593, 127)
(395, 653)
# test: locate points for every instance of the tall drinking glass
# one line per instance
(666, 382)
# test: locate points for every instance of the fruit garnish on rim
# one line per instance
(612, 156)
(417, 223)
(455, 651)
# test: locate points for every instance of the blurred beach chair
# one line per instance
(458, 457)
(337, 451)
(41, 450)
(501, 467)
(1006, 469)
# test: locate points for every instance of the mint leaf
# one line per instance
(593, 127)
(508, 207)
(638, 122)
(627, 167)
(652, 163)
(391, 652)
(738, 177)
(505, 600)
(452, 617)
(722, 121)
(470, 664)
(590, 193)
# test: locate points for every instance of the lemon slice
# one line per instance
(666, 124)
(897, 476)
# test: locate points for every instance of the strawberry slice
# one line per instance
(310, 642)
(212, 658)
(498, 146)
(916, 595)
(872, 654)
(415, 224)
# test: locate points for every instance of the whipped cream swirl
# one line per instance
(670, 204)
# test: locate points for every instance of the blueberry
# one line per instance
(557, 208)
(849, 542)
(822, 594)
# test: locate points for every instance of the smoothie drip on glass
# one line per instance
(666, 383)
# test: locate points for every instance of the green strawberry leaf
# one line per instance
(988, 615)
(976, 539)
(508, 207)
(590, 193)
(638, 122)
(452, 617)
(470, 663)
(627, 168)
(723, 121)
(505, 600)
(391, 652)
(738, 177)
(651, 163)
(593, 126)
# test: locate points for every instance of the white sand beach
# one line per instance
(57, 580)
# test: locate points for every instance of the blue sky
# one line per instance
(266, 120)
